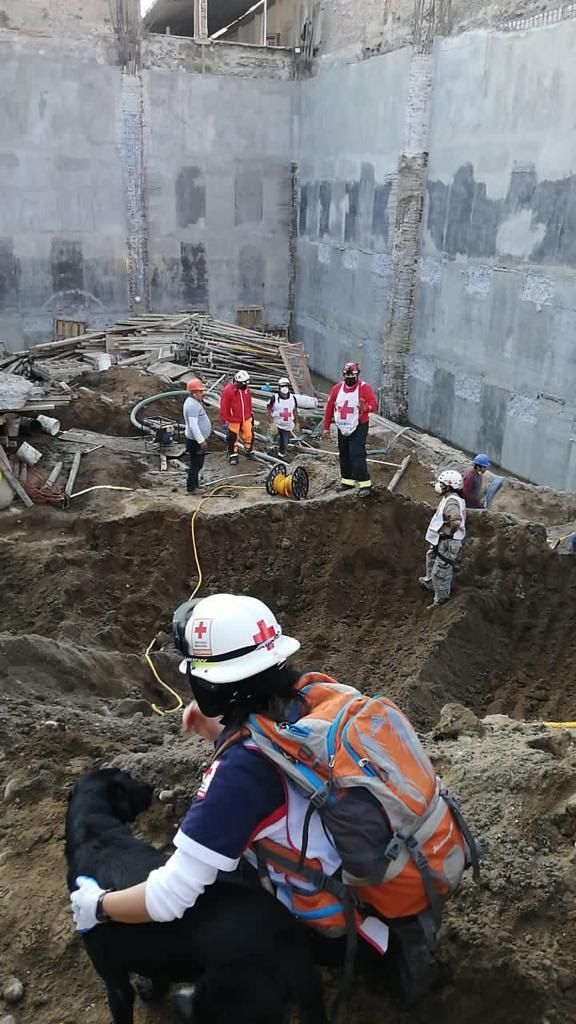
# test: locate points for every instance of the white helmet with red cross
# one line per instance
(230, 638)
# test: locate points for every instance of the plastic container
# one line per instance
(26, 453)
(49, 425)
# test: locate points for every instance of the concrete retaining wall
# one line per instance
(351, 125)
(169, 185)
(493, 364)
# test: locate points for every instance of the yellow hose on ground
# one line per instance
(148, 654)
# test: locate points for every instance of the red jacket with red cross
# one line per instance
(367, 400)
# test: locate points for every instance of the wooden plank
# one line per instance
(12, 481)
(73, 474)
(170, 370)
(51, 480)
(296, 363)
(399, 474)
(128, 445)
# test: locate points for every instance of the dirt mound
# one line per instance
(84, 593)
(506, 947)
(343, 578)
(104, 400)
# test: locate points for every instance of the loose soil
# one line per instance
(83, 592)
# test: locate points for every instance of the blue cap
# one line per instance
(482, 460)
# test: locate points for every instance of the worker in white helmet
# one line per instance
(445, 536)
(236, 414)
(282, 411)
(237, 661)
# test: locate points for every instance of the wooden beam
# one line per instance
(13, 482)
(73, 474)
(51, 480)
(399, 474)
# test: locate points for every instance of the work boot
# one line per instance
(249, 453)
(346, 487)
(233, 460)
(364, 493)
(425, 582)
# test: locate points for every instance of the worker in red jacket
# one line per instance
(349, 406)
(236, 414)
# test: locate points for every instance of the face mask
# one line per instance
(350, 381)
(284, 392)
(242, 387)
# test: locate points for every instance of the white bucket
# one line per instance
(49, 425)
(26, 453)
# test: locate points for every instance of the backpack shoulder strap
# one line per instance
(236, 737)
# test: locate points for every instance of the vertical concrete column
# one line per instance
(130, 138)
(431, 17)
(201, 19)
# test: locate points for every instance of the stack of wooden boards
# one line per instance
(175, 347)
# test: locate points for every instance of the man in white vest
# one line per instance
(349, 406)
(282, 411)
(445, 536)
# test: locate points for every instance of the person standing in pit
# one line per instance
(444, 537)
(472, 490)
(349, 406)
(236, 414)
(198, 429)
(282, 411)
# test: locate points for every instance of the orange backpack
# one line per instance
(400, 835)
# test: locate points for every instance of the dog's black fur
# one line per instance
(246, 954)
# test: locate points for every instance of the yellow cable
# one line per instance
(283, 486)
(179, 702)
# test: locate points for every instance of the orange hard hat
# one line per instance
(196, 385)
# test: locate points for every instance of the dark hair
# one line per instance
(270, 693)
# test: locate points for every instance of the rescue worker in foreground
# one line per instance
(445, 536)
(349, 406)
(282, 411)
(197, 429)
(237, 662)
(236, 415)
(472, 489)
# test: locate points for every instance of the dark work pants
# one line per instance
(283, 438)
(196, 454)
(352, 451)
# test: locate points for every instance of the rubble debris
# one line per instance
(13, 482)
(13, 990)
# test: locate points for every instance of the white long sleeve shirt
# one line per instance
(198, 426)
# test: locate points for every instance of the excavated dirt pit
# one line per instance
(84, 592)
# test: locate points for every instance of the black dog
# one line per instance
(247, 956)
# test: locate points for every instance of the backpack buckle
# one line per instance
(319, 798)
(394, 848)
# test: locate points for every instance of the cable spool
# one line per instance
(294, 486)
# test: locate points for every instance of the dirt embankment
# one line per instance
(342, 578)
(88, 591)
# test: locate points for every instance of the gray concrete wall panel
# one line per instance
(217, 173)
(351, 125)
(62, 216)
(496, 299)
